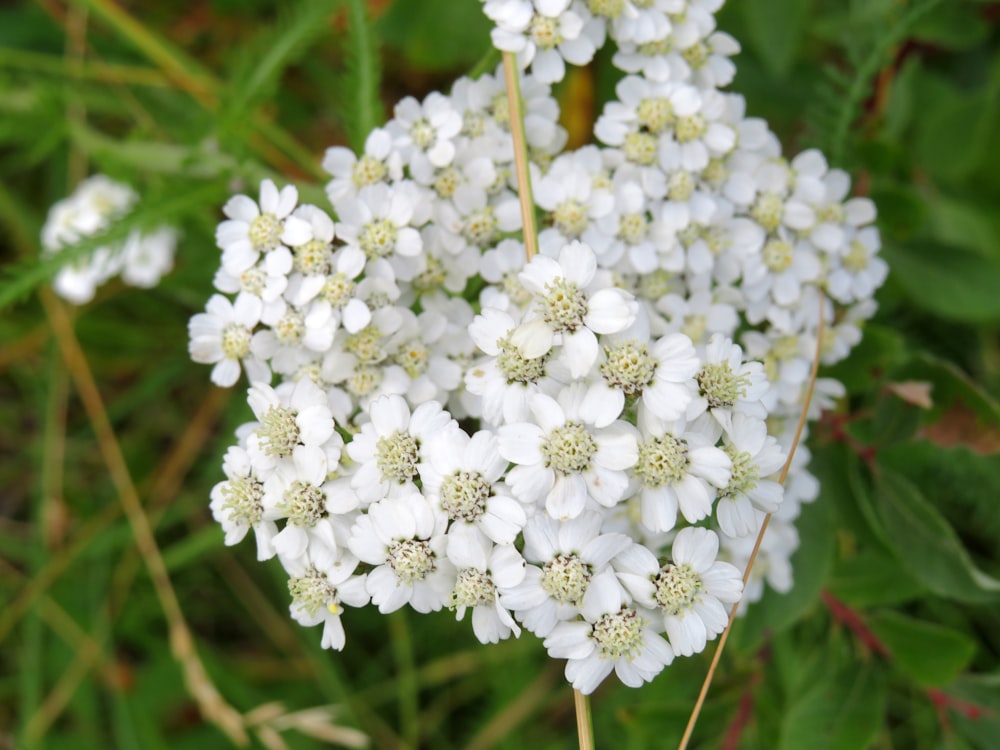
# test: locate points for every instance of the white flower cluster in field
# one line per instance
(575, 444)
(141, 259)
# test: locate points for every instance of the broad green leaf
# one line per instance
(956, 134)
(873, 578)
(843, 711)
(946, 279)
(930, 653)
(927, 545)
(952, 26)
(775, 29)
(894, 421)
(902, 211)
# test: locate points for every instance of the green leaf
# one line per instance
(947, 280)
(414, 29)
(841, 712)
(361, 108)
(260, 65)
(927, 545)
(775, 30)
(873, 578)
(894, 421)
(952, 26)
(929, 653)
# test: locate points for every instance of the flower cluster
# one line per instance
(615, 391)
(97, 202)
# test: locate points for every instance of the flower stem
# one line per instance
(584, 725)
(520, 155)
(692, 720)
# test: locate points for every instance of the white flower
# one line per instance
(423, 132)
(147, 257)
(237, 503)
(463, 480)
(484, 572)
(251, 230)
(546, 35)
(379, 163)
(390, 449)
(318, 594)
(404, 537)
(727, 384)
(576, 449)
(294, 415)
(221, 336)
(754, 455)
(689, 591)
(571, 302)
(507, 379)
(612, 635)
(661, 374)
(677, 468)
(569, 554)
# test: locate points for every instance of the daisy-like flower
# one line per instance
(463, 480)
(568, 554)
(614, 635)
(545, 34)
(660, 374)
(251, 229)
(221, 336)
(404, 537)
(301, 492)
(380, 162)
(572, 303)
(507, 379)
(484, 572)
(424, 132)
(728, 385)
(688, 592)
(379, 220)
(319, 594)
(237, 503)
(754, 455)
(576, 449)
(390, 450)
(146, 257)
(293, 416)
(678, 468)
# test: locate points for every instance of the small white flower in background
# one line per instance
(142, 258)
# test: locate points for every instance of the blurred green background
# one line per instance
(891, 636)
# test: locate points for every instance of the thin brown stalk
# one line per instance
(520, 155)
(693, 719)
(210, 702)
(584, 724)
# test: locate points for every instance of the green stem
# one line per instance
(406, 679)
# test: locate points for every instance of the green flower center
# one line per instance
(569, 449)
